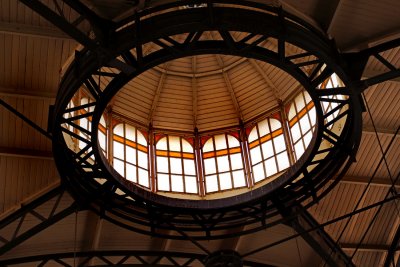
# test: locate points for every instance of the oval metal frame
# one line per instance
(140, 210)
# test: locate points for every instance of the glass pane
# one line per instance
(84, 101)
(189, 167)
(102, 140)
(236, 161)
(174, 143)
(162, 144)
(279, 143)
(292, 112)
(270, 167)
(118, 150)
(283, 161)
(263, 127)
(295, 130)
(238, 179)
(299, 149)
(267, 149)
(220, 142)
(275, 124)
(305, 124)
(307, 97)
(186, 146)
(142, 159)
(119, 167)
(313, 116)
(162, 164)
(130, 133)
(211, 183)
(255, 155)
(225, 181)
(299, 102)
(141, 139)
(119, 130)
(307, 138)
(177, 183)
(176, 165)
(131, 155)
(253, 135)
(191, 184)
(144, 177)
(102, 121)
(163, 182)
(258, 172)
(223, 164)
(209, 166)
(232, 141)
(83, 123)
(208, 146)
(131, 173)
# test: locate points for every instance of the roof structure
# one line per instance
(44, 224)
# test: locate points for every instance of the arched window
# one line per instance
(223, 163)
(175, 165)
(268, 153)
(302, 119)
(130, 154)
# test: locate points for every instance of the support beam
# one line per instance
(14, 229)
(390, 257)
(366, 247)
(368, 129)
(32, 31)
(369, 73)
(25, 153)
(319, 240)
(377, 181)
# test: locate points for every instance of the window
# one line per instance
(130, 154)
(268, 151)
(175, 164)
(223, 163)
(302, 119)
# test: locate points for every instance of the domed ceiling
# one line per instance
(206, 92)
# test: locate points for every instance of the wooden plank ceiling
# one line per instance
(33, 53)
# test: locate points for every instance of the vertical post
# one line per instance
(245, 155)
(286, 134)
(151, 159)
(199, 163)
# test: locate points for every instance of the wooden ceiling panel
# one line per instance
(21, 177)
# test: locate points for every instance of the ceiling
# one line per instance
(33, 56)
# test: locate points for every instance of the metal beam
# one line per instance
(319, 240)
(369, 73)
(25, 153)
(14, 230)
(32, 31)
(25, 119)
(393, 248)
(120, 258)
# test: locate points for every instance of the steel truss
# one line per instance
(34, 217)
(140, 211)
(357, 62)
(119, 258)
(134, 208)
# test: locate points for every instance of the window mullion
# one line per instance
(245, 157)
(199, 164)
(151, 159)
(286, 133)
